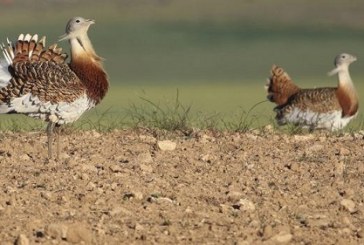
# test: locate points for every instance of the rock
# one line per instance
(344, 152)
(167, 145)
(225, 209)
(95, 134)
(269, 128)
(300, 138)
(146, 168)
(22, 240)
(360, 233)
(118, 210)
(90, 186)
(114, 186)
(147, 139)
(314, 149)
(46, 195)
(320, 223)
(78, 233)
(244, 205)
(116, 168)
(205, 158)
(234, 196)
(348, 205)
(56, 231)
(339, 168)
(145, 158)
(24, 157)
(283, 237)
(85, 177)
(205, 139)
(267, 232)
(88, 168)
(138, 195)
(139, 227)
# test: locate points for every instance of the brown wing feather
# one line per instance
(41, 72)
(319, 100)
(49, 81)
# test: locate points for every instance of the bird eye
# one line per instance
(343, 56)
(77, 21)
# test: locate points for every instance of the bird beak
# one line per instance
(333, 72)
(91, 21)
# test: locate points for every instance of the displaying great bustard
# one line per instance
(37, 81)
(330, 108)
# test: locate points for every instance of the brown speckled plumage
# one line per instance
(330, 108)
(39, 83)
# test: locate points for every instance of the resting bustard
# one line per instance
(37, 81)
(319, 108)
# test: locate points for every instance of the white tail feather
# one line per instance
(4, 73)
(6, 54)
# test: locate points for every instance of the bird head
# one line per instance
(342, 61)
(76, 27)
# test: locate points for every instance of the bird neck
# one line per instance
(345, 78)
(88, 67)
(346, 93)
(81, 47)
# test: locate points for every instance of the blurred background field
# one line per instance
(215, 54)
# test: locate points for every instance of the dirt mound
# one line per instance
(127, 187)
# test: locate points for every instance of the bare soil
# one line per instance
(213, 188)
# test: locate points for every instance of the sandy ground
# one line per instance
(132, 187)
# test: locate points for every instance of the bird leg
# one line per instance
(50, 128)
(57, 130)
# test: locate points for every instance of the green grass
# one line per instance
(217, 56)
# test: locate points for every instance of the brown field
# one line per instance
(213, 188)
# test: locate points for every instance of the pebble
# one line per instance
(56, 231)
(22, 240)
(314, 148)
(245, 205)
(205, 158)
(138, 195)
(167, 145)
(118, 210)
(304, 137)
(116, 168)
(349, 205)
(283, 237)
(146, 168)
(360, 233)
(234, 196)
(225, 208)
(138, 227)
(90, 186)
(145, 158)
(205, 139)
(46, 195)
(339, 168)
(24, 157)
(267, 232)
(78, 233)
(344, 152)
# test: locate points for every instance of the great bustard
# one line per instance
(330, 108)
(37, 81)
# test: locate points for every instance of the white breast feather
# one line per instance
(59, 113)
(330, 120)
